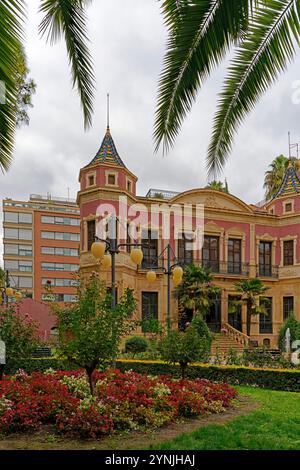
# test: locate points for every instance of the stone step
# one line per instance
(223, 344)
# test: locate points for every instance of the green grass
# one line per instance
(275, 425)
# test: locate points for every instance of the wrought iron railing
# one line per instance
(263, 270)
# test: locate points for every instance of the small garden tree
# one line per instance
(252, 291)
(182, 348)
(19, 334)
(196, 291)
(90, 330)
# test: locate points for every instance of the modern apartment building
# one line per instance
(41, 240)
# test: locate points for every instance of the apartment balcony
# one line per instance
(267, 271)
(225, 268)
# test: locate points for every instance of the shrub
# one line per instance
(84, 423)
(122, 401)
(182, 348)
(294, 326)
(274, 379)
(136, 344)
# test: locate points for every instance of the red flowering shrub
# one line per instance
(122, 401)
(84, 423)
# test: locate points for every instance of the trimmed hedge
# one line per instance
(274, 379)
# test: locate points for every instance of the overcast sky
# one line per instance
(127, 43)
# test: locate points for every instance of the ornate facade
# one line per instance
(241, 241)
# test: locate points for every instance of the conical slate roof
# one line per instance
(290, 183)
(107, 152)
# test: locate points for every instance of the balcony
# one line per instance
(263, 270)
(228, 268)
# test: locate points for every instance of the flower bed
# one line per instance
(122, 401)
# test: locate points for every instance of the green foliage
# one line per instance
(19, 334)
(232, 357)
(182, 348)
(294, 325)
(205, 336)
(201, 34)
(252, 291)
(274, 176)
(136, 344)
(2, 277)
(26, 88)
(218, 186)
(151, 325)
(288, 380)
(196, 291)
(90, 330)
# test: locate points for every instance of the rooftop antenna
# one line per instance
(107, 111)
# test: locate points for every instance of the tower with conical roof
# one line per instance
(102, 181)
(287, 198)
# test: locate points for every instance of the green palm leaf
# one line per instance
(268, 47)
(68, 18)
(200, 34)
(11, 34)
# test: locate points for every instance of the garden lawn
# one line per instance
(275, 425)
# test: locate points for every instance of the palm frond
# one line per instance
(200, 34)
(67, 18)
(11, 35)
(265, 52)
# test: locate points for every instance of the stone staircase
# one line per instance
(230, 339)
(223, 343)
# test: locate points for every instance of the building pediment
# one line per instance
(212, 199)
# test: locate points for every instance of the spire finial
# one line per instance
(107, 97)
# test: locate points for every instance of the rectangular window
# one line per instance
(18, 217)
(210, 253)
(19, 250)
(74, 237)
(91, 180)
(11, 249)
(149, 305)
(288, 306)
(150, 249)
(111, 179)
(288, 252)
(265, 319)
(15, 265)
(91, 232)
(11, 233)
(265, 258)
(11, 265)
(60, 220)
(185, 250)
(60, 282)
(25, 282)
(50, 250)
(25, 234)
(11, 217)
(59, 267)
(288, 207)
(234, 256)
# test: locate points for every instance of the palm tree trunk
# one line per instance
(248, 318)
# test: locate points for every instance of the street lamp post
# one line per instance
(101, 246)
(174, 271)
